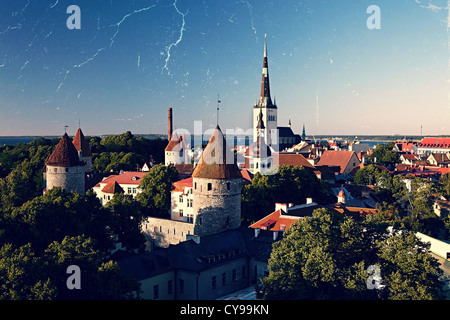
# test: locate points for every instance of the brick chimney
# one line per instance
(170, 127)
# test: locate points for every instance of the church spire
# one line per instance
(264, 99)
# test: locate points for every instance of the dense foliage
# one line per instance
(42, 234)
(125, 152)
(288, 185)
(330, 256)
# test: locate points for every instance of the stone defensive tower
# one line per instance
(217, 188)
(83, 149)
(65, 168)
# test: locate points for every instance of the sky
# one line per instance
(132, 60)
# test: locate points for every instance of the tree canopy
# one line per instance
(290, 184)
(328, 256)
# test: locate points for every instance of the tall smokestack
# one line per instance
(170, 129)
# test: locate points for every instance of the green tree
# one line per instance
(22, 275)
(99, 279)
(368, 175)
(156, 186)
(409, 272)
(55, 215)
(290, 184)
(126, 220)
(327, 257)
(383, 153)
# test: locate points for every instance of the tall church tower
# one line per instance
(259, 154)
(217, 188)
(266, 106)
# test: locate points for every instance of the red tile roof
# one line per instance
(247, 175)
(336, 158)
(435, 143)
(291, 159)
(274, 222)
(217, 162)
(112, 187)
(80, 143)
(65, 154)
(176, 143)
(179, 186)
(129, 177)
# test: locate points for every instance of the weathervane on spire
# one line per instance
(218, 101)
(65, 128)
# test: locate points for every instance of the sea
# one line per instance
(12, 141)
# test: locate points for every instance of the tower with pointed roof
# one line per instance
(65, 168)
(177, 151)
(266, 106)
(217, 188)
(83, 149)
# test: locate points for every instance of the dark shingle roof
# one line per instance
(213, 250)
(65, 154)
(80, 143)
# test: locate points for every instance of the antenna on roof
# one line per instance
(79, 123)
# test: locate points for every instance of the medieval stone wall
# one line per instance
(165, 232)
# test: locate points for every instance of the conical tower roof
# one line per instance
(80, 143)
(217, 162)
(65, 154)
(265, 100)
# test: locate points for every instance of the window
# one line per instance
(181, 286)
(209, 186)
(224, 278)
(214, 282)
(155, 291)
(190, 218)
(134, 190)
(169, 287)
(233, 275)
(181, 212)
(129, 190)
(67, 169)
(181, 199)
(228, 185)
(195, 185)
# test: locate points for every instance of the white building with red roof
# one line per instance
(128, 182)
(182, 198)
(433, 145)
